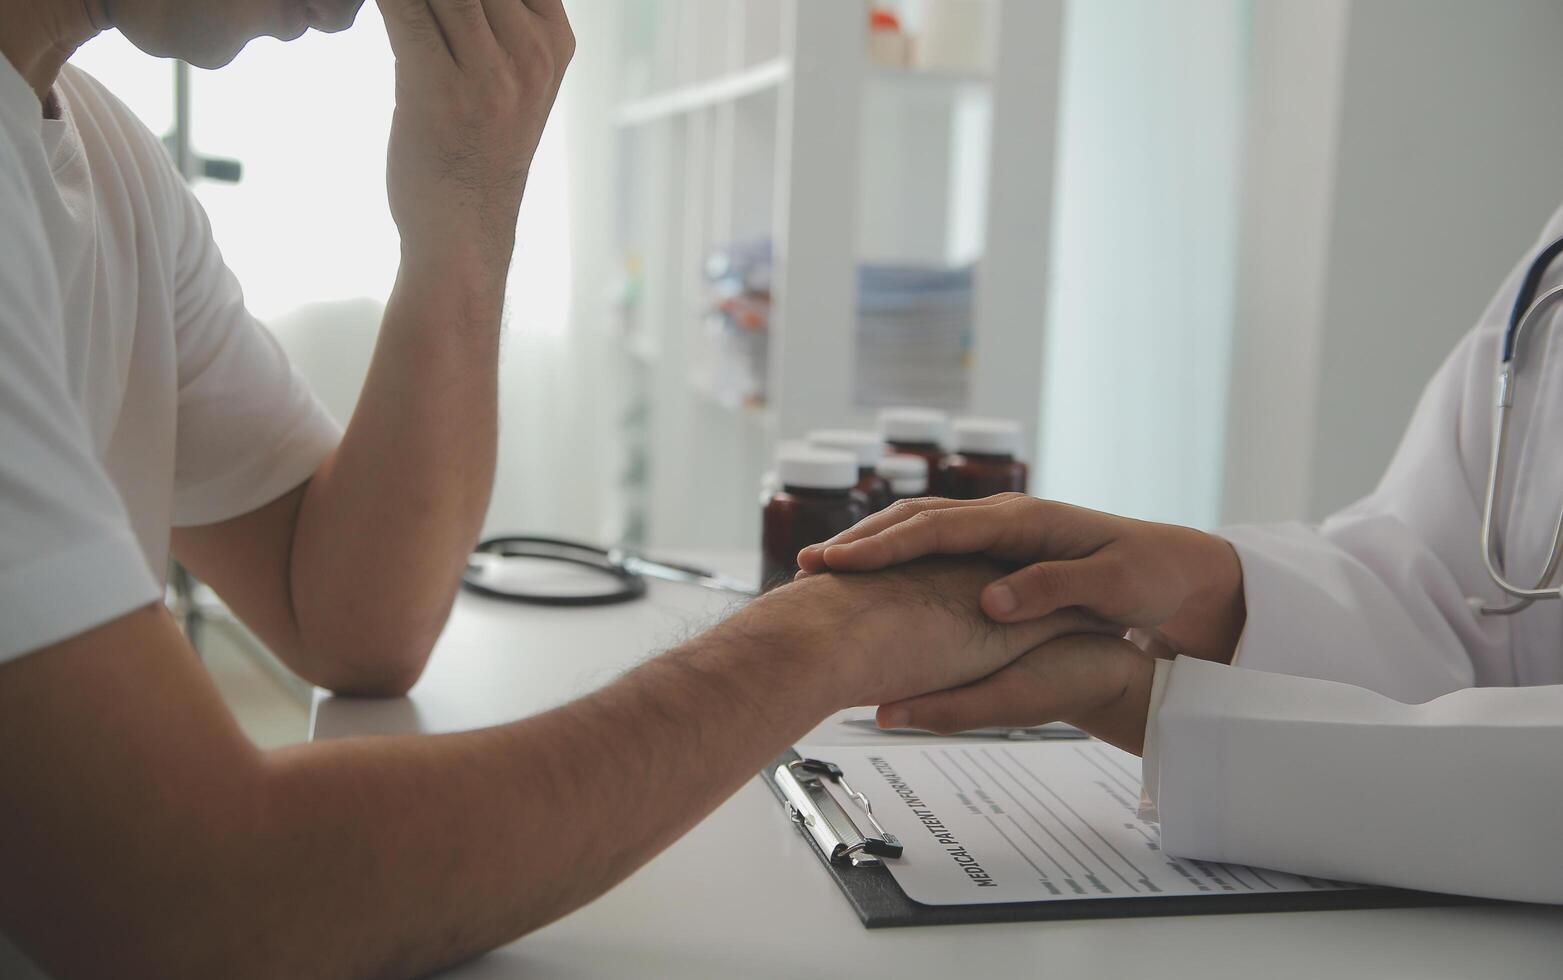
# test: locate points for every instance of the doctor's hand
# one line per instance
(1101, 684)
(896, 634)
(1182, 585)
(475, 81)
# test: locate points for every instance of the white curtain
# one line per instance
(559, 404)
(1144, 248)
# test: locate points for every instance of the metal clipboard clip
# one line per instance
(811, 805)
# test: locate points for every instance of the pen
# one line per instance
(1053, 731)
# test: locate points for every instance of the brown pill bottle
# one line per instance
(868, 449)
(816, 501)
(906, 474)
(917, 432)
(983, 462)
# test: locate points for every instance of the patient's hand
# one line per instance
(900, 633)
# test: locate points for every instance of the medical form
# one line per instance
(1030, 822)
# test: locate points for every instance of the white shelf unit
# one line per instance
(704, 95)
(763, 119)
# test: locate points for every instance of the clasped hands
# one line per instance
(1067, 611)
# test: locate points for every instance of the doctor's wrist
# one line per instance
(1210, 622)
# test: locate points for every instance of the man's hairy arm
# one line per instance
(142, 835)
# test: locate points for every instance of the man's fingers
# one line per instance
(509, 20)
(549, 10)
(414, 33)
(1099, 583)
(466, 29)
(555, 24)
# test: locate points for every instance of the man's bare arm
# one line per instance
(350, 577)
(142, 835)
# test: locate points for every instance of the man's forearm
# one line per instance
(385, 527)
(393, 856)
(384, 857)
(447, 846)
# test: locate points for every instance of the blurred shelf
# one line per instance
(928, 79)
(642, 351)
(706, 395)
(763, 77)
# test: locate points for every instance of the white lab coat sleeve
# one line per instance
(1377, 595)
(1460, 794)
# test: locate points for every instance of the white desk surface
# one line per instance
(742, 894)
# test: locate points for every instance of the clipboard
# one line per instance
(854, 849)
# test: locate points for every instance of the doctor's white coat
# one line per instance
(1375, 727)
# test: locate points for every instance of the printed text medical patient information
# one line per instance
(1032, 821)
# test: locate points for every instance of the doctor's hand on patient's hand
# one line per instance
(1182, 585)
(475, 81)
(896, 634)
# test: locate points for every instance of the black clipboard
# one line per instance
(856, 862)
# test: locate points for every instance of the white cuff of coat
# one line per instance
(1182, 769)
(1275, 606)
(1150, 754)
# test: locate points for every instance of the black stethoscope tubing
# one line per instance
(629, 586)
(1527, 296)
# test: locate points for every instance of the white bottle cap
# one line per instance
(913, 425)
(995, 437)
(867, 447)
(906, 474)
(816, 469)
(786, 445)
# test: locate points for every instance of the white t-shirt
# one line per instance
(136, 392)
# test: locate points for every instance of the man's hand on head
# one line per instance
(475, 81)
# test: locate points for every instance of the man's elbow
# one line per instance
(376, 680)
(372, 650)
(386, 669)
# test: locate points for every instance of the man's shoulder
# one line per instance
(101, 116)
(86, 94)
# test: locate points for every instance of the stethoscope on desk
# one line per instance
(526, 568)
(1528, 310)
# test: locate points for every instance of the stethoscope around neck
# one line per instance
(1529, 309)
